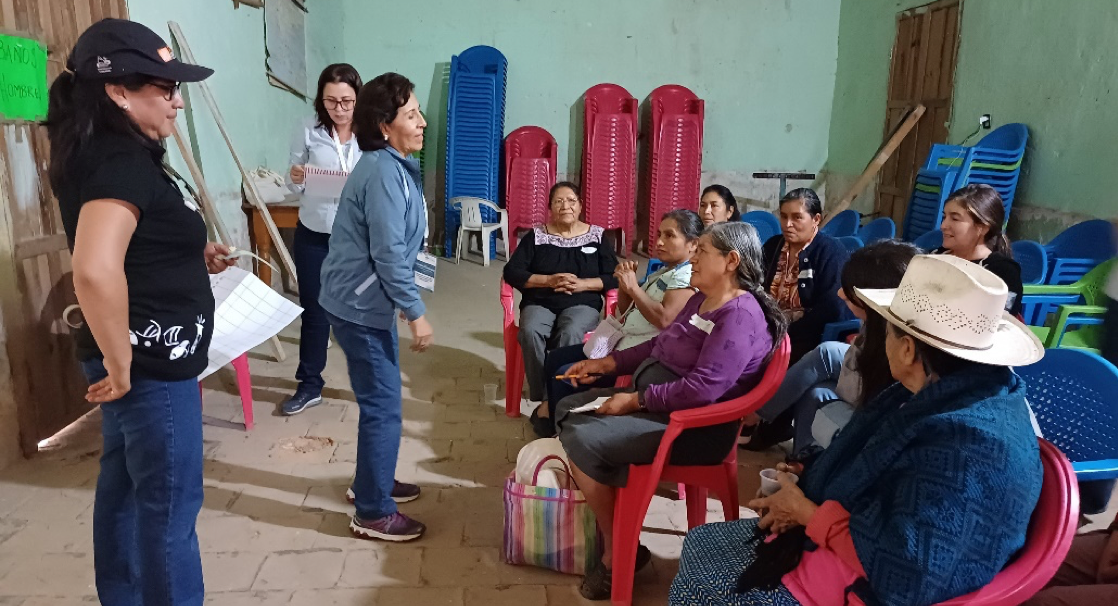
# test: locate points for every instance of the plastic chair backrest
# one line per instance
(1047, 541)
(930, 240)
(881, 228)
(1077, 249)
(842, 224)
(1072, 394)
(766, 223)
(852, 243)
(1033, 260)
(1007, 138)
(471, 210)
(1093, 285)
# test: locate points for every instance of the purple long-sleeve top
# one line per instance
(720, 365)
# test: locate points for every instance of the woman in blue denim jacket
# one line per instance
(368, 274)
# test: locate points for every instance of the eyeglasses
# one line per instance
(566, 201)
(169, 90)
(342, 104)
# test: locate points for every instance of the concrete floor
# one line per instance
(273, 528)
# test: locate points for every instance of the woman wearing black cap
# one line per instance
(140, 259)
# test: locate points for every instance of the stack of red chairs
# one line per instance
(676, 150)
(530, 163)
(609, 160)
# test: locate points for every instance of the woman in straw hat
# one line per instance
(925, 494)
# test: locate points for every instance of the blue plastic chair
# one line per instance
(766, 223)
(881, 228)
(852, 243)
(1078, 249)
(1033, 260)
(843, 224)
(835, 331)
(929, 241)
(1072, 394)
(653, 266)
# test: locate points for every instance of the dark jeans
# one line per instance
(148, 494)
(556, 363)
(373, 358)
(309, 252)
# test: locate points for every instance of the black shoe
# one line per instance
(766, 436)
(598, 582)
(543, 426)
(302, 400)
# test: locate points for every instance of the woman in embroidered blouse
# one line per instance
(715, 349)
(925, 495)
(642, 310)
(562, 269)
(324, 141)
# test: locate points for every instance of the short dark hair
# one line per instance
(561, 184)
(808, 197)
(377, 103)
(727, 198)
(341, 73)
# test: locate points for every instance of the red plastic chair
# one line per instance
(609, 160)
(1047, 543)
(530, 162)
(514, 361)
(676, 149)
(244, 386)
(633, 500)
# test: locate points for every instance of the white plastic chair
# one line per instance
(470, 211)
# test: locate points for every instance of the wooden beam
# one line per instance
(878, 161)
(40, 246)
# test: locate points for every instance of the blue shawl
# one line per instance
(940, 485)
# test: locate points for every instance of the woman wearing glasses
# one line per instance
(324, 141)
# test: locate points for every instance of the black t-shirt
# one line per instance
(170, 304)
(1005, 268)
(539, 252)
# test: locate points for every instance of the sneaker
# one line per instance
(302, 400)
(401, 493)
(396, 527)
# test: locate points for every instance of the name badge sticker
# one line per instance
(704, 325)
(589, 249)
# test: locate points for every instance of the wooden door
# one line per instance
(922, 71)
(36, 281)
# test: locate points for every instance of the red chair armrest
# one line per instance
(507, 304)
(611, 301)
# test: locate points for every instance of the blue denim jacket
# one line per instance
(369, 272)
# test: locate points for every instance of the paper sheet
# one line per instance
(324, 182)
(592, 406)
(248, 313)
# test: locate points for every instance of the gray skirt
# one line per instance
(604, 446)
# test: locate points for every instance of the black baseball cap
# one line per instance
(112, 48)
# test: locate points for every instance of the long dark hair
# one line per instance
(879, 265)
(986, 208)
(378, 101)
(77, 110)
(742, 238)
(340, 73)
(727, 198)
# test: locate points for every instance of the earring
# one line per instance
(124, 107)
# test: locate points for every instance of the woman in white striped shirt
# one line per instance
(324, 141)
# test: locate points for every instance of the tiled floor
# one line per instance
(273, 528)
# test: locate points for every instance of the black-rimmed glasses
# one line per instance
(342, 104)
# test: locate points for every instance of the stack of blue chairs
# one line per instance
(475, 126)
(994, 161)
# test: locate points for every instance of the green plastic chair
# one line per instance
(1040, 300)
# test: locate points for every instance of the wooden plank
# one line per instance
(878, 161)
(925, 29)
(937, 25)
(951, 52)
(41, 245)
(8, 14)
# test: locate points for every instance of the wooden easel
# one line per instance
(253, 194)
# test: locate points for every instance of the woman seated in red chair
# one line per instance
(926, 494)
(562, 269)
(714, 350)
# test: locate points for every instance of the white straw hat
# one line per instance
(958, 307)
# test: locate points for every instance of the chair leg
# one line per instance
(505, 236)
(514, 373)
(244, 386)
(681, 492)
(629, 511)
(458, 246)
(486, 236)
(729, 497)
(696, 506)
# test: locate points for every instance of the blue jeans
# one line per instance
(373, 358)
(808, 385)
(310, 248)
(148, 494)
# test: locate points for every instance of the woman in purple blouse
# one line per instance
(715, 350)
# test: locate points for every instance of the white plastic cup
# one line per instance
(490, 390)
(769, 482)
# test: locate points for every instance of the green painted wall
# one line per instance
(766, 69)
(260, 117)
(1047, 64)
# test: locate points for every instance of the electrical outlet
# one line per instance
(984, 121)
